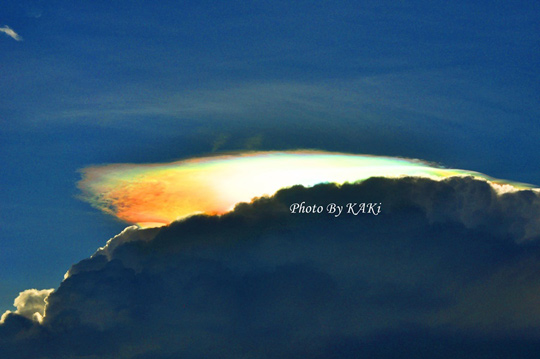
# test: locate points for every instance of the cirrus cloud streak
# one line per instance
(9, 32)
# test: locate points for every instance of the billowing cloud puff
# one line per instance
(30, 304)
(446, 269)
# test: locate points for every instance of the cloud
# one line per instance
(30, 304)
(157, 194)
(447, 267)
(9, 32)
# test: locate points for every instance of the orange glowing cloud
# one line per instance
(157, 194)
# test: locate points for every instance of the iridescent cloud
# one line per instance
(157, 194)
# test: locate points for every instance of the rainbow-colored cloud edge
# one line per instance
(151, 195)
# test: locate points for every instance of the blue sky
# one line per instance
(100, 82)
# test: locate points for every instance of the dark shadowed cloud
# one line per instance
(447, 269)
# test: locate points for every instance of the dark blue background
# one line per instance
(139, 81)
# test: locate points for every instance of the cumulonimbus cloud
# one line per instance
(445, 267)
(9, 32)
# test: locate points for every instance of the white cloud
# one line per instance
(30, 304)
(129, 234)
(9, 32)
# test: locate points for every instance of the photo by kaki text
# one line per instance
(353, 208)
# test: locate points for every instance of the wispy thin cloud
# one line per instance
(9, 32)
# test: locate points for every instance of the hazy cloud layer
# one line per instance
(447, 269)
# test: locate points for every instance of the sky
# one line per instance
(88, 84)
